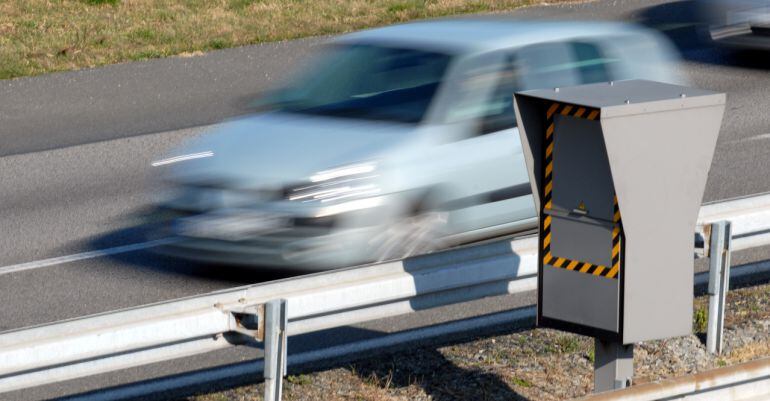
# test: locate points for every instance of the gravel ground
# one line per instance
(528, 364)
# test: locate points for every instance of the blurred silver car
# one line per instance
(396, 141)
(737, 23)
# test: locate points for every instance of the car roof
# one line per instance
(481, 34)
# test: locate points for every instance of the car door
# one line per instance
(476, 167)
(488, 175)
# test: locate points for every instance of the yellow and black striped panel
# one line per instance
(617, 231)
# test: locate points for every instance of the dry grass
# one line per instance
(747, 353)
(39, 36)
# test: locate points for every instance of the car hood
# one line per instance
(274, 149)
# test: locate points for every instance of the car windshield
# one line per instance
(367, 82)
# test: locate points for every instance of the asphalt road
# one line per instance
(76, 171)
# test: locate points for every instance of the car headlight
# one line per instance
(340, 190)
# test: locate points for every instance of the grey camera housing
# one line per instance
(618, 172)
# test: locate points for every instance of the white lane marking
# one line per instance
(85, 255)
(759, 137)
(182, 158)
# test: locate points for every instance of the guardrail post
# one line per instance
(275, 348)
(613, 365)
(719, 284)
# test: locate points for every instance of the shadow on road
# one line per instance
(148, 260)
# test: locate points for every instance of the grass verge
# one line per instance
(41, 36)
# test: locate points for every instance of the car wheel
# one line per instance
(414, 235)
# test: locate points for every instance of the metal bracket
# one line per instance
(719, 283)
(249, 321)
(276, 322)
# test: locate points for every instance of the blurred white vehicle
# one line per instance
(396, 141)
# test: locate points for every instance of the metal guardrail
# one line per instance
(137, 336)
(746, 381)
(749, 217)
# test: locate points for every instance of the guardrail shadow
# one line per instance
(418, 363)
(440, 378)
(751, 280)
(427, 367)
(421, 363)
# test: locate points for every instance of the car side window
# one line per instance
(484, 91)
(537, 66)
(542, 66)
(500, 114)
(547, 65)
(471, 91)
(590, 63)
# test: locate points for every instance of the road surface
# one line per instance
(75, 167)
